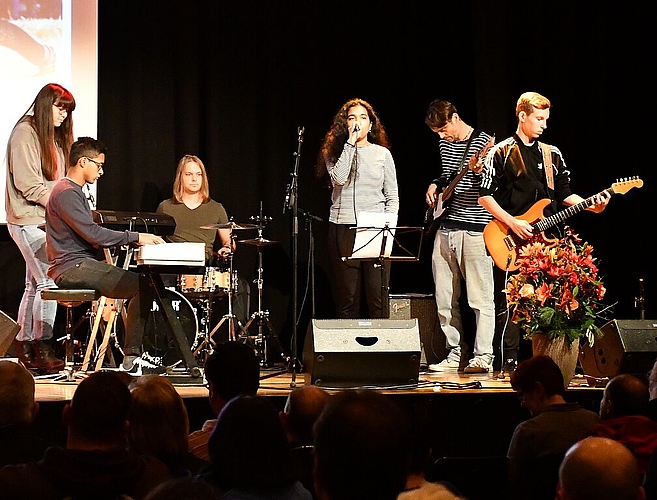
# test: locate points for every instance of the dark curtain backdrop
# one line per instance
(233, 81)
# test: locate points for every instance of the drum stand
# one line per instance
(262, 317)
(206, 347)
(229, 316)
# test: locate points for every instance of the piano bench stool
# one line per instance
(70, 298)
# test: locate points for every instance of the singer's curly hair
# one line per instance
(338, 133)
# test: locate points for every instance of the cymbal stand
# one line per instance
(229, 316)
(262, 317)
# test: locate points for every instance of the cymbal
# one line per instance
(259, 242)
(230, 225)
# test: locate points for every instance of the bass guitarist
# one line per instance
(459, 254)
(518, 172)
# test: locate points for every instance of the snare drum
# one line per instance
(212, 280)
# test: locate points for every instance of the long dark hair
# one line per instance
(39, 115)
(338, 133)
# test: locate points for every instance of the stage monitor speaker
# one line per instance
(627, 346)
(8, 330)
(340, 353)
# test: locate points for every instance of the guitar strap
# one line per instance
(547, 162)
(467, 148)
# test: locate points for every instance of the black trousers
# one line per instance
(358, 281)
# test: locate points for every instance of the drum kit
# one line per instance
(160, 350)
(223, 281)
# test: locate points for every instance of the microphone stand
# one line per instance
(291, 202)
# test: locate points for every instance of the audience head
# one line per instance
(98, 412)
(537, 379)
(652, 381)
(231, 370)
(361, 447)
(184, 487)
(17, 404)
(599, 468)
(302, 409)
(248, 446)
(624, 394)
(159, 424)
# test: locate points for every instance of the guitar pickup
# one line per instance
(509, 242)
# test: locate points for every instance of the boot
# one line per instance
(25, 352)
(47, 362)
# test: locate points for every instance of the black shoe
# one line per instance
(508, 368)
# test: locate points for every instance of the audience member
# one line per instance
(17, 411)
(538, 444)
(601, 469)
(623, 417)
(232, 369)
(303, 406)
(361, 447)
(95, 463)
(159, 424)
(652, 389)
(417, 485)
(249, 454)
(184, 487)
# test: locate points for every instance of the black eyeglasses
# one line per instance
(97, 163)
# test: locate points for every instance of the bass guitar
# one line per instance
(504, 245)
(438, 211)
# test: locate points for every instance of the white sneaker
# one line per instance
(478, 365)
(446, 365)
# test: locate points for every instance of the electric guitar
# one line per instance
(504, 245)
(436, 213)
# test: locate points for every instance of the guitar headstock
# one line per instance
(622, 186)
(476, 162)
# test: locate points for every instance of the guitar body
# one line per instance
(504, 245)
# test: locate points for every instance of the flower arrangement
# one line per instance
(556, 290)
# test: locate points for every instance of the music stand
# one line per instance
(377, 241)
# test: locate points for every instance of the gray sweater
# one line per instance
(71, 233)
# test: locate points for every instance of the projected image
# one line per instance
(32, 33)
(40, 45)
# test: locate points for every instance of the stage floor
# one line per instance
(277, 381)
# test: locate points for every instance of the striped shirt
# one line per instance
(371, 187)
(464, 211)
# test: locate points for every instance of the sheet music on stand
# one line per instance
(372, 228)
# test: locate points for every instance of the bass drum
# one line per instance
(158, 344)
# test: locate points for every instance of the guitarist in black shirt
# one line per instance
(459, 254)
(518, 172)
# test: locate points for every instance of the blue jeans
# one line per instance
(36, 317)
(461, 255)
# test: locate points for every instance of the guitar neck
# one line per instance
(553, 220)
(447, 192)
